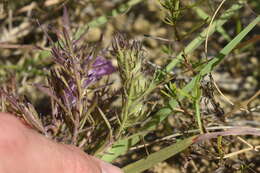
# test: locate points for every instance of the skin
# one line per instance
(25, 151)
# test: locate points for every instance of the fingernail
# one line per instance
(108, 168)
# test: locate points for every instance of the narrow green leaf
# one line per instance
(201, 38)
(198, 117)
(205, 16)
(157, 118)
(215, 61)
(231, 45)
(159, 156)
(120, 147)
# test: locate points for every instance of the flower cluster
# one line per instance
(77, 67)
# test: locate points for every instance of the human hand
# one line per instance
(22, 150)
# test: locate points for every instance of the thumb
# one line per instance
(86, 160)
(108, 168)
(22, 146)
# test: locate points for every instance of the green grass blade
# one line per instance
(227, 49)
(205, 16)
(198, 117)
(201, 38)
(120, 147)
(159, 156)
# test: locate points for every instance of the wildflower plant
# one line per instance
(78, 67)
(136, 85)
(73, 87)
(81, 113)
(106, 122)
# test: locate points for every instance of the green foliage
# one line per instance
(136, 86)
(194, 85)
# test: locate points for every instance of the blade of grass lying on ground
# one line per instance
(159, 156)
(174, 149)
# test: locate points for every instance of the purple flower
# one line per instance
(76, 63)
(100, 68)
(70, 95)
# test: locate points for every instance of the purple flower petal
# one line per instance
(100, 68)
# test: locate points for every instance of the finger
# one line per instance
(31, 152)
